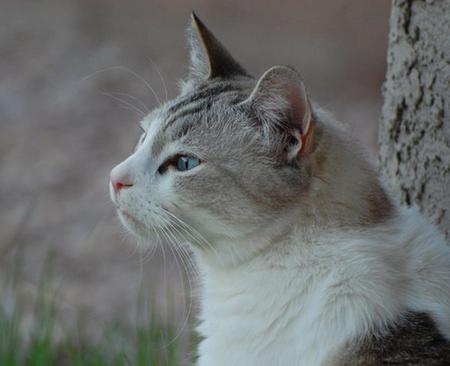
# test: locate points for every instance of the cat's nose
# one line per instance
(120, 179)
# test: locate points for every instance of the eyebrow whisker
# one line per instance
(128, 70)
(125, 103)
(136, 99)
(163, 82)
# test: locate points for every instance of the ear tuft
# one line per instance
(279, 100)
(209, 58)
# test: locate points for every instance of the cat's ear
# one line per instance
(280, 101)
(209, 58)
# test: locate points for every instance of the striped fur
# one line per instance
(413, 340)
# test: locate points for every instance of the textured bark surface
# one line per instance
(415, 130)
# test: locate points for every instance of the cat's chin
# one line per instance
(133, 225)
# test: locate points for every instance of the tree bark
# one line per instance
(414, 134)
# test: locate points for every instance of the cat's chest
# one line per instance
(271, 321)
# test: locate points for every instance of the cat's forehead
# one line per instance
(206, 102)
(206, 96)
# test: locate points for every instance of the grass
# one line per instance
(44, 345)
(44, 341)
(41, 350)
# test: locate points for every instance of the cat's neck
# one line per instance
(226, 253)
(302, 228)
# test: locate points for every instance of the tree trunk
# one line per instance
(415, 130)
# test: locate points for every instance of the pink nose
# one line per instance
(120, 180)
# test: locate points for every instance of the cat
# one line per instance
(304, 257)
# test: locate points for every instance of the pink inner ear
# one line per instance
(279, 95)
(305, 137)
(299, 106)
(300, 111)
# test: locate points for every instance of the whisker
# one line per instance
(188, 227)
(176, 243)
(164, 265)
(151, 252)
(128, 70)
(129, 105)
(194, 234)
(183, 252)
(136, 99)
(170, 234)
(163, 82)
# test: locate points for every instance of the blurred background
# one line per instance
(74, 78)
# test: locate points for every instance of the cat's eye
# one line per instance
(187, 162)
(181, 163)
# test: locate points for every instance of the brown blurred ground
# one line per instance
(59, 135)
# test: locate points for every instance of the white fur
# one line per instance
(297, 302)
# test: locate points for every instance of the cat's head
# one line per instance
(231, 156)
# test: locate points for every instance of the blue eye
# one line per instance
(181, 163)
(186, 163)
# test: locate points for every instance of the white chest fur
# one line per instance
(300, 304)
